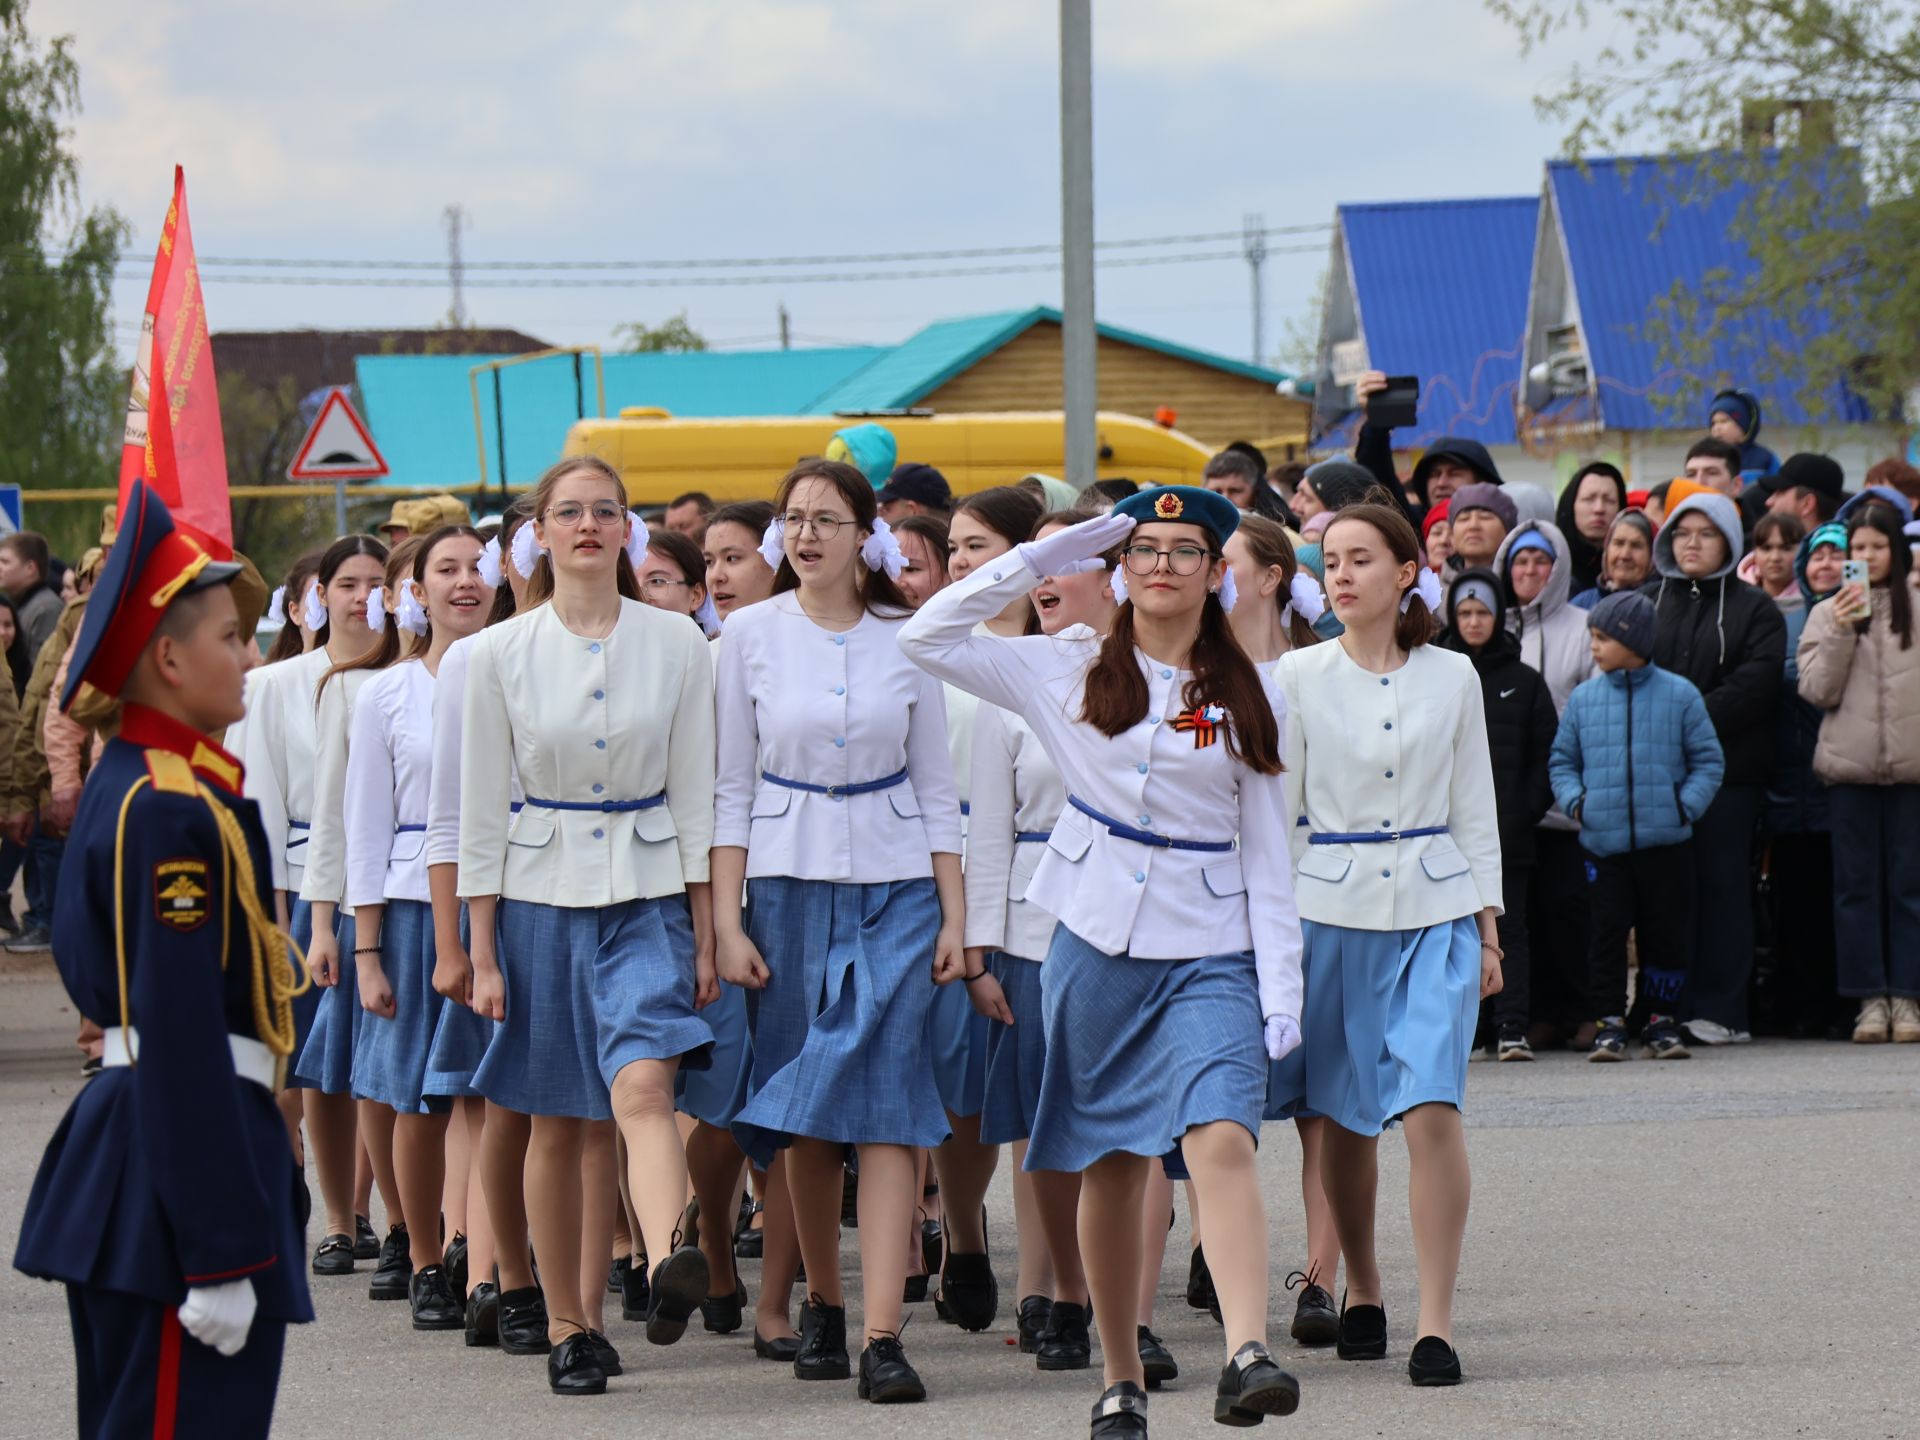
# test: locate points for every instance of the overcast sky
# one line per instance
(650, 130)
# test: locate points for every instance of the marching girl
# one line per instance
(385, 813)
(1165, 965)
(738, 575)
(1276, 606)
(590, 913)
(279, 748)
(296, 636)
(326, 1061)
(1398, 855)
(836, 809)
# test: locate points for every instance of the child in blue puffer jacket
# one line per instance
(1636, 762)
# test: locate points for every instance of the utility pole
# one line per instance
(455, 218)
(786, 332)
(1255, 233)
(1076, 242)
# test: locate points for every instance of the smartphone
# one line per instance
(1854, 572)
(1396, 406)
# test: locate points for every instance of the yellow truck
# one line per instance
(662, 456)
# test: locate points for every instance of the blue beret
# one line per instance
(1185, 505)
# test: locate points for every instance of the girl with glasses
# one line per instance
(674, 577)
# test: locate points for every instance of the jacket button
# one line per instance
(1384, 680)
(598, 787)
(1146, 819)
(1141, 767)
(1387, 726)
(839, 742)
(594, 649)
(1386, 874)
(839, 639)
(839, 689)
(599, 694)
(1139, 877)
(599, 834)
(1154, 720)
(1166, 674)
(998, 576)
(1389, 774)
(599, 744)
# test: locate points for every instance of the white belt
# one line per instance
(251, 1060)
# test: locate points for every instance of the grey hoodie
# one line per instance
(1552, 633)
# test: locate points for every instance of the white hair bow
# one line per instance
(1229, 592)
(636, 540)
(410, 615)
(490, 563)
(882, 551)
(377, 607)
(1304, 599)
(1118, 580)
(313, 610)
(707, 618)
(526, 550)
(277, 606)
(772, 547)
(1427, 587)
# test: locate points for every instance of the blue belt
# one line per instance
(965, 808)
(516, 807)
(1146, 837)
(604, 807)
(1032, 837)
(409, 829)
(298, 825)
(859, 787)
(1371, 837)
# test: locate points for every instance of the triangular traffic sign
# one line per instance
(338, 447)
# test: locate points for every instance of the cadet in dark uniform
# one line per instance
(166, 1200)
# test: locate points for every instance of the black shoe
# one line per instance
(784, 1349)
(724, 1314)
(1252, 1387)
(1066, 1345)
(690, 1224)
(972, 1293)
(1157, 1360)
(1315, 1320)
(933, 1245)
(605, 1355)
(634, 1291)
(749, 1243)
(1433, 1362)
(849, 1200)
(366, 1244)
(823, 1342)
(394, 1273)
(8, 925)
(335, 1256)
(434, 1307)
(1034, 1313)
(522, 1325)
(1200, 1294)
(455, 1261)
(885, 1376)
(1120, 1412)
(679, 1284)
(573, 1368)
(914, 1292)
(92, 1066)
(29, 940)
(483, 1314)
(617, 1273)
(1363, 1332)
(1609, 1042)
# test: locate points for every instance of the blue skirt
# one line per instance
(326, 1060)
(959, 1036)
(1141, 1051)
(305, 1007)
(459, 1041)
(840, 1031)
(390, 1056)
(1016, 1053)
(1388, 1021)
(589, 991)
(716, 1093)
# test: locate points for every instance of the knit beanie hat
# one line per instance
(1626, 616)
(1340, 483)
(1482, 496)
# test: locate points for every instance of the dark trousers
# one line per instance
(1557, 929)
(12, 857)
(1514, 1004)
(1723, 841)
(1800, 900)
(1876, 888)
(43, 873)
(142, 1377)
(1648, 892)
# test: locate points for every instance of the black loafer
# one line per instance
(749, 1243)
(431, 1297)
(885, 1376)
(572, 1369)
(724, 1314)
(1066, 1345)
(366, 1244)
(483, 1314)
(1120, 1412)
(1433, 1362)
(1034, 1313)
(393, 1276)
(1156, 1360)
(1252, 1387)
(933, 1245)
(783, 1349)
(455, 1261)
(1363, 1332)
(335, 1256)
(604, 1354)
(634, 1291)
(522, 1326)
(823, 1342)
(1316, 1321)
(914, 1292)
(679, 1284)
(972, 1293)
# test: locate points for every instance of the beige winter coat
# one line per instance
(1870, 689)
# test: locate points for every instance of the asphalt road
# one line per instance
(1724, 1247)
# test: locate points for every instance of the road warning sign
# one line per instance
(339, 446)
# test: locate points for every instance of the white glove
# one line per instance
(1076, 549)
(1283, 1036)
(220, 1315)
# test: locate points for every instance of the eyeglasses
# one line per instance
(569, 513)
(659, 583)
(1684, 535)
(1181, 560)
(825, 527)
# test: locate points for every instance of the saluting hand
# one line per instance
(1077, 548)
(739, 962)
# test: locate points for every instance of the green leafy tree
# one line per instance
(673, 335)
(1815, 105)
(63, 392)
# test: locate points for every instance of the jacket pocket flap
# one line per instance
(1226, 878)
(769, 801)
(904, 802)
(1443, 862)
(655, 824)
(532, 827)
(1320, 863)
(407, 845)
(1070, 842)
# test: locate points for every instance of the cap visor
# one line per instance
(216, 572)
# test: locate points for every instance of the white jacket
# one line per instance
(389, 759)
(278, 751)
(1017, 790)
(449, 735)
(325, 879)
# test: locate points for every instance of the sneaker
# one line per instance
(1156, 1360)
(1609, 1041)
(1663, 1042)
(885, 1376)
(1513, 1043)
(8, 925)
(1120, 1412)
(1906, 1020)
(31, 940)
(1252, 1387)
(1712, 1032)
(1874, 1027)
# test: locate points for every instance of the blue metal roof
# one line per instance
(1441, 287)
(1633, 229)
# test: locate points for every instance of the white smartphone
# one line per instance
(1854, 572)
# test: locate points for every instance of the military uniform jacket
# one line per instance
(171, 1172)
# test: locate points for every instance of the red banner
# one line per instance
(177, 445)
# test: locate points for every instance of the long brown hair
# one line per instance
(293, 598)
(1115, 697)
(331, 559)
(877, 589)
(1877, 516)
(1417, 624)
(1267, 542)
(389, 643)
(540, 583)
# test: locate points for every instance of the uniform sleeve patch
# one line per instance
(180, 893)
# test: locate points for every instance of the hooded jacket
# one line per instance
(1470, 453)
(1728, 638)
(1796, 799)
(1552, 633)
(1744, 407)
(1587, 599)
(1870, 688)
(1520, 725)
(1588, 557)
(869, 448)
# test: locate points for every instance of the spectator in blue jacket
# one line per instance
(1636, 762)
